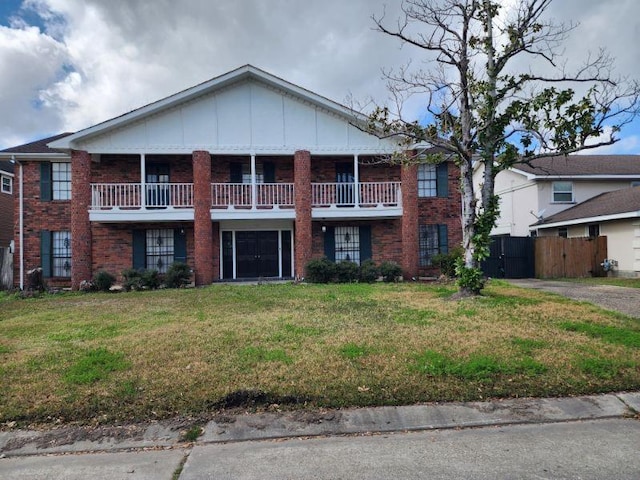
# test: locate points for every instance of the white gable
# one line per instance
(243, 117)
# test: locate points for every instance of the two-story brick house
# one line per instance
(243, 176)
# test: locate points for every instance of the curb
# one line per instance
(278, 425)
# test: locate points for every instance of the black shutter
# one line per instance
(45, 182)
(365, 243)
(269, 172)
(179, 245)
(139, 249)
(45, 253)
(442, 179)
(330, 244)
(443, 239)
(235, 173)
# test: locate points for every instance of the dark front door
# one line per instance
(345, 179)
(257, 254)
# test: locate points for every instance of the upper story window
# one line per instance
(7, 184)
(432, 180)
(562, 192)
(61, 181)
(241, 172)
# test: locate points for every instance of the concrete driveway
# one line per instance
(620, 299)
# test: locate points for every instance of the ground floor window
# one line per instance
(433, 241)
(159, 249)
(55, 253)
(347, 244)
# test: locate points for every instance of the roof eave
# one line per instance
(580, 221)
(246, 71)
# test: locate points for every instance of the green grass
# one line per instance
(146, 355)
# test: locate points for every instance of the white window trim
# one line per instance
(553, 193)
(10, 178)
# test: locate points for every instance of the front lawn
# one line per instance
(146, 355)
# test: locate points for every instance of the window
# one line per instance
(427, 182)
(563, 232)
(159, 249)
(61, 181)
(55, 253)
(61, 254)
(594, 230)
(347, 244)
(241, 172)
(562, 192)
(7, 184)
(433, 241)
(432, 180)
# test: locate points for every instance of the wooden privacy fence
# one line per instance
(557, 257)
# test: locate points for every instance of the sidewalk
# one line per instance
(157, 450)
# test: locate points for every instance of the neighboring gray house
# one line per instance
(615, 215)
(530, 193)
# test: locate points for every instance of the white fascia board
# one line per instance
(251, 150)
(581, 177)
(184, 96)
(38, 157)
(580, 221)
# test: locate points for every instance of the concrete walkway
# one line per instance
(157, 451)
(620, 299)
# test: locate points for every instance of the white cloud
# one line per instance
(96, 59)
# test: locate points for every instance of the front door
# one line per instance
(257, 254)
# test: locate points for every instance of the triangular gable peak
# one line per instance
(244, 111)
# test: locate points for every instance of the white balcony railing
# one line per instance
(234, 195)
(367, 194)
(106, 196)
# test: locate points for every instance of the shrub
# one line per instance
(447, 261)
(132, 279)
(390, 271)
(347, 272)
(369, 271)
(321, 270)
(178, 275)
(150, 279)
(103, 281)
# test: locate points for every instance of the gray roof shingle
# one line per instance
(572, 165)
(609, 203)
(39, 146)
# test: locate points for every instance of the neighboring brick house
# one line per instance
(243, 176)
(6, 203)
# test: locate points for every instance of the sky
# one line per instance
(69, 64)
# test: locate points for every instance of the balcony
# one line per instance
(115, 202)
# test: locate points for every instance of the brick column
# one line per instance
(202, 226)
(80, 224)
(410, 252)
(302, 186)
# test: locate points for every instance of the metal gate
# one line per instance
(510, 257)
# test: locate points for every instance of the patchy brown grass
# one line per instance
(187, 352)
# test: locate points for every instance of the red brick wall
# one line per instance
(116, 169)
(436, 210)
(112, 248)
(80, 225)
(386, 240)
(38, 215)
(203, 230)
(303, 231)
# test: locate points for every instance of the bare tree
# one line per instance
(497, 91)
